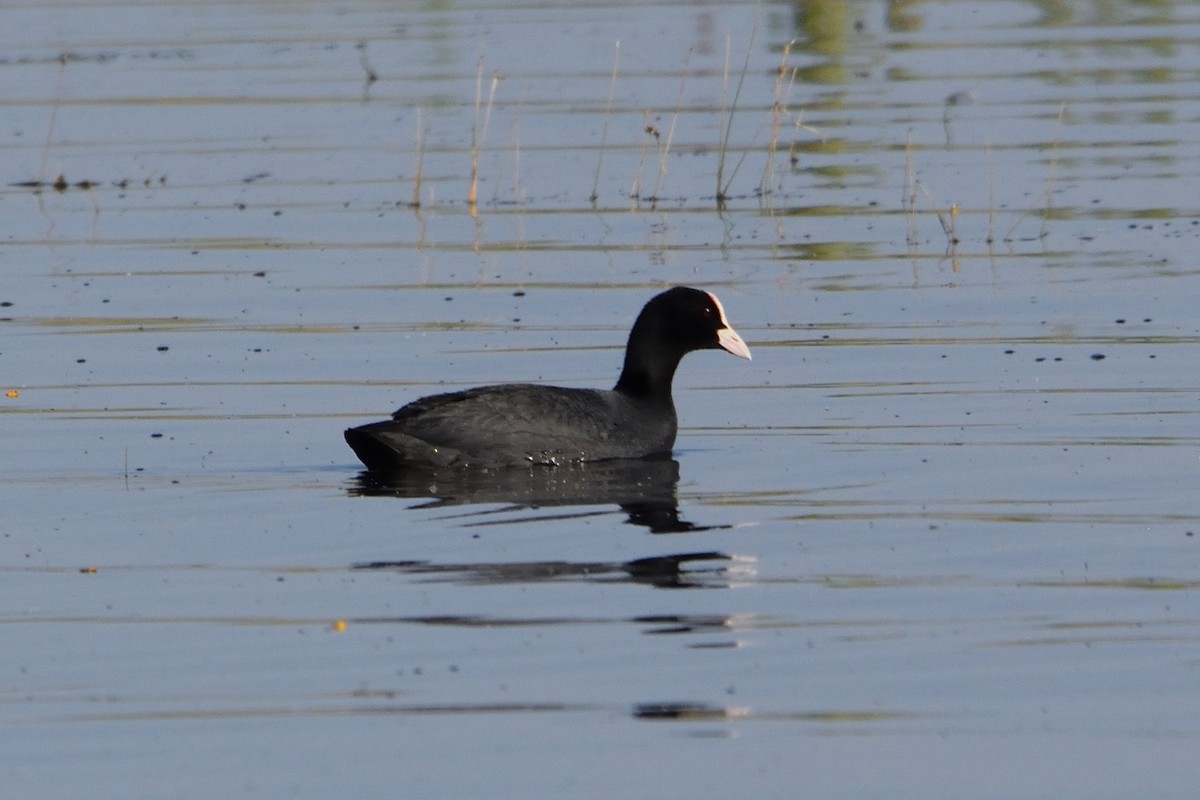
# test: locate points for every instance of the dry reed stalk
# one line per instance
(420, 159)
(58, 92)
(991, 228)
(948, 220)
(612, 89)
(1052, 173)
(949, 223)
(665, 149)
(909, 200)
(479, 132)
(1051, 178)
(651, 131)
(778, 109)
(514, 138)
(473, 190)
(722, 184)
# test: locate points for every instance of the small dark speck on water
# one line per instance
(447, 299)
(518, 293)
(261, 274)
(1009, 352)
(6, 304)
(162, 348)
(81, 361)
(1120, 322)
(1040, 359)
(156, 436)
(1097, 356)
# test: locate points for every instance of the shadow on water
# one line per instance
(644, 490)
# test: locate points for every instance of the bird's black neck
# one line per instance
(649, 370)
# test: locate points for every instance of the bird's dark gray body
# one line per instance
(526, 424)
(514, 424)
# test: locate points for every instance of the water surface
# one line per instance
(936, 540)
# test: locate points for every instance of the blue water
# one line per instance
(937, 540)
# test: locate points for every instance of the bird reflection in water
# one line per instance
(700, 570)
(643, 489)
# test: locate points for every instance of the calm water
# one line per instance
(936, 540)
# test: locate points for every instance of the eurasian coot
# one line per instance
(526, 424)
